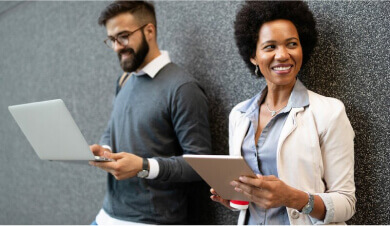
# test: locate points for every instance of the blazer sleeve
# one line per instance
(337, 147)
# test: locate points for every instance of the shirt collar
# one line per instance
(299, 98)
(154, 66)
(253, 103)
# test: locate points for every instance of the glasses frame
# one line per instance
(115, 39)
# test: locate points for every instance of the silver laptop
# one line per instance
(52, 132)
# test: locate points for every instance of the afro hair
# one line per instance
(254, 14)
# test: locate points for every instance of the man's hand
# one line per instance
(98, 150)
(126, 165)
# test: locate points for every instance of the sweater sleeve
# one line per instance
(105, 139)
(189, 114)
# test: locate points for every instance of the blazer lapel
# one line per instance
(239, 135)
(288, 128)
(289, 125)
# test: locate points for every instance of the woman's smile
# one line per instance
(282, 68)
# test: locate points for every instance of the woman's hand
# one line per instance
(270, 192)
(266, 191)
(216, 198)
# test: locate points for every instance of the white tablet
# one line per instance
(219, 170)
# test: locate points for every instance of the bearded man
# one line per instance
(159, 113)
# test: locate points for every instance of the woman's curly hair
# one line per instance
(254, 14)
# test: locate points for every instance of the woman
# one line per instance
(299, 143)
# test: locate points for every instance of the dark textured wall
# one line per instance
(54, 50)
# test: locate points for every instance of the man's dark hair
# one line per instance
(143, 11)
(254, 14)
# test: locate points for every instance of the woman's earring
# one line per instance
(257, 70)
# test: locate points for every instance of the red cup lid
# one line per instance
(238, 202)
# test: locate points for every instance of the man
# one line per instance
(159, 114)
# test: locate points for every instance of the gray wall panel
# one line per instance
(54, 50)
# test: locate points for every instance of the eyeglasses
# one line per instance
(122, 39)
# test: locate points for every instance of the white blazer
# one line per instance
(315, 154)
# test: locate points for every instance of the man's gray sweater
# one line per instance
(163, 118)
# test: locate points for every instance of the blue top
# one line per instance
(262, 157)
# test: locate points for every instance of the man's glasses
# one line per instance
(122, 39)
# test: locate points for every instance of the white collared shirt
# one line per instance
(154, 66)
(104, 219)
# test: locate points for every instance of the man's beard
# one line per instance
(135, 60)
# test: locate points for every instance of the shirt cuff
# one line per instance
(154, 169)
(329, 209)
(107, 147)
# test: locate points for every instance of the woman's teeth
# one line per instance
(281, 68)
